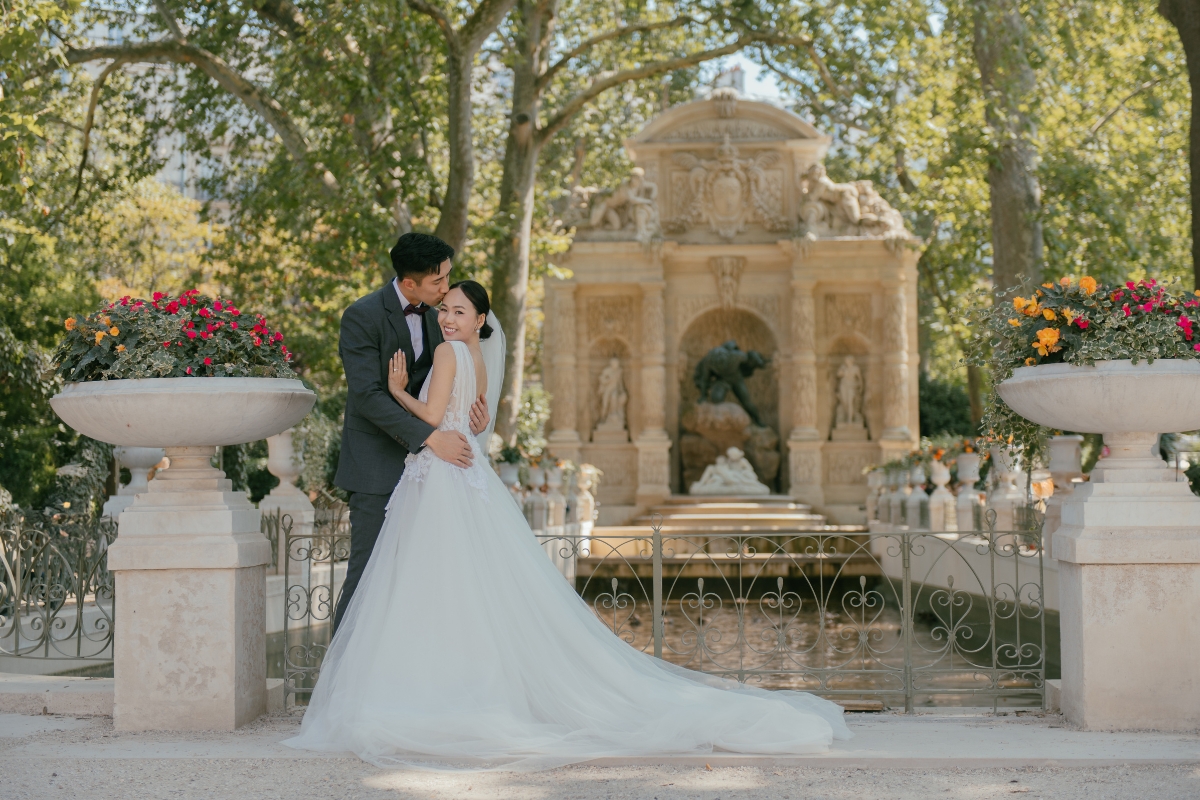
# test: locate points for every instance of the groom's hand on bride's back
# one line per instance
(479, 415)
(451, 447)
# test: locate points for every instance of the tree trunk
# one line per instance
(1185, 16)
(1009, 87)
(514, 216)
(975, 394)
(452, 224)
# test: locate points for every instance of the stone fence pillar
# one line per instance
(286, 499)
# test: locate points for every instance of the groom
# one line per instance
(378, 434)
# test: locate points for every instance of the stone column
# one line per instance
(895, 367)
(564, 440)
(804, 443)
(653, 443)
(189, 564)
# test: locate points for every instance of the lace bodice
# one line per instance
(457, 418)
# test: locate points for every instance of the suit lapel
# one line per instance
(395, 311)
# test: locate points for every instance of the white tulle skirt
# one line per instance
(464, 648)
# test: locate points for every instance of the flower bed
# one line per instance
(170, 337)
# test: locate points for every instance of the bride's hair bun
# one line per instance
(479, 299)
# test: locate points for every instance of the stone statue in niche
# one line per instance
(727, 270)
(632, 205)
(610, 390)
(848, 419)
(845, 209)
(731, 474)
(725, 369)
(728, 192)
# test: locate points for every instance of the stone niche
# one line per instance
(728, 229)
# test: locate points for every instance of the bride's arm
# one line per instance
(440, 385)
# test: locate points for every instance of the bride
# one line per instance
(464, 648)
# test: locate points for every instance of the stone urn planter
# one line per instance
(1128, 544)
(189, 557)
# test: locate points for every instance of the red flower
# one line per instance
(233, 325)
(207, 361)
(1148, 307)
(188, 370)
(1082, 323)
(234, 311)
(190, 334)
(257, 341)
(210, 327)
(158, 296)
(278, 337)
(173, 307)
(204, 312)
(217, 305)
(205, 335)
(166, 344)
(1125, 308)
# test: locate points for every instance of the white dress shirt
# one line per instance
(416, 323)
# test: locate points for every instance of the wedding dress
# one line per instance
(464, 648)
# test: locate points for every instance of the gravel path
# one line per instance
(42, 779)
(67, 768)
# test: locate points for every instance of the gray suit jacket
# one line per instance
(378, 433)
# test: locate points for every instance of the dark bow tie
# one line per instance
(411, 309)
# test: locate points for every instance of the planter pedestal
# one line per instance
(1129, 583)
(189, 564)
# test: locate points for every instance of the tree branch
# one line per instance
(581, 48)
(254, 98)
(598, 87)
(89, 120)
(440, 19)
(168, 19)
(486, 19)
(1113, 111)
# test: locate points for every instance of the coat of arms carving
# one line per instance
(728, 192)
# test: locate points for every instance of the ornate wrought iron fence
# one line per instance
(896, 616)
(56, 593)
(313, 572)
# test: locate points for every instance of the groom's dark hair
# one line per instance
(418, 255)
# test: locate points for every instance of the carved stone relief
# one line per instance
(611, 398)
(715, 130)
(845, 467)
(727, 192)
(804, 466)
(728, 271)
(828, 208)
(849, 313)
(609, 316)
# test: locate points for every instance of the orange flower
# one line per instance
(1088, 284)
(1047, 313)
(1064, 281)
(107, 321)
(69, 323)
(99, 335)
(1019, 303)
(113, 331)
(1047, 285)
(1032, 310)
(1068, 315)
(1014, 322)
(1047, 341)
(1029, 362)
